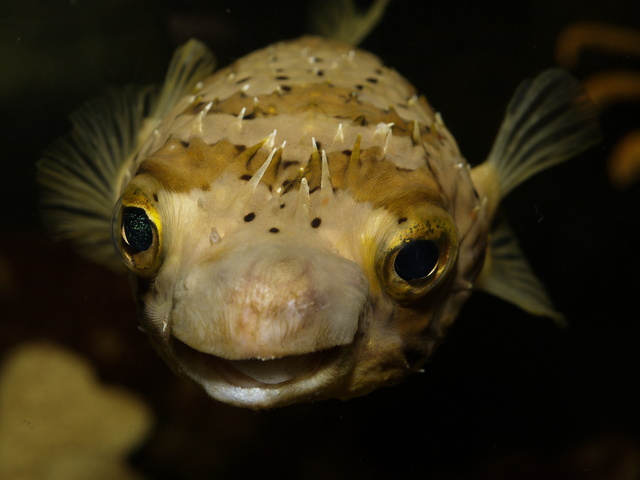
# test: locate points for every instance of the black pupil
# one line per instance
(137, 229)
(416, 259)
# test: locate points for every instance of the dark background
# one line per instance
(506, 396)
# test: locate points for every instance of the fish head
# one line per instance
(270, 279)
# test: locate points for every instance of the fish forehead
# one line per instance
(358, 128)
(315, 61)
(308, 95)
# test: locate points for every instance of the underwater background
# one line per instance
(507, 395)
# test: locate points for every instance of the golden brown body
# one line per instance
(301, 225)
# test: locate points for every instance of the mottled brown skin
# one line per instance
(181, 167)
(366, 166)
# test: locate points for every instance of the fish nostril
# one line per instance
(189, 283)
(289, 267)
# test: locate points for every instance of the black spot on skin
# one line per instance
(286, 183)
(282, 77)
(184, 143)
(359, 86)
(360, 120)
(320, 73)
(282, 205)
(315, 223)
(347, 152)
(372, 80)
(249, 216)
(245, 177)
(155, 197)
(318, 60)
(288, 163)
(274, 230)
(285, 88)
(402, 220)
(240, 148)
(250, 116)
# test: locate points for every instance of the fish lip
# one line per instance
(326, 377)
(211, 369)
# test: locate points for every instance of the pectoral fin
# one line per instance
(82, 173)
(507, 275)
(549, 120)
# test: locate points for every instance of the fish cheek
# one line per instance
(142, 288)
(421, 327)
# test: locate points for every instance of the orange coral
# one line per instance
(609, 87)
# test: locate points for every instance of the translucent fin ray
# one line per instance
(340, 19)
(510, 277)
(191, 63)
(82, 173)
(548, 120)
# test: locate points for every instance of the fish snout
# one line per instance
(277, 307)
(269, 302)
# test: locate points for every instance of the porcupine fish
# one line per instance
(301, 224)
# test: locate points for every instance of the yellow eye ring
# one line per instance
(136, 232)
(417, 258)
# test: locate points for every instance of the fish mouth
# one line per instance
(251, 372)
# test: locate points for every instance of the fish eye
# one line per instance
(136, 229)
(416, 259)
(417, 256)
(136, 233)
